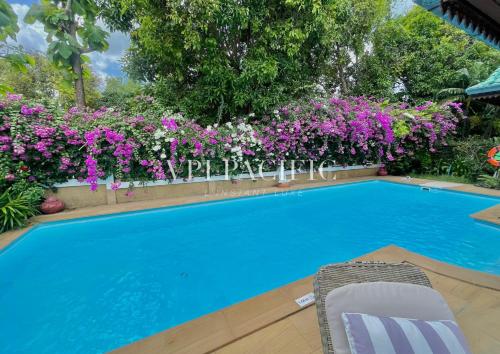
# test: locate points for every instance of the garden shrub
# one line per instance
(465, 158)
(41, 144)
(15, 208)
(488, 181)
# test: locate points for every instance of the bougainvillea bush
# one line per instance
(43, 145)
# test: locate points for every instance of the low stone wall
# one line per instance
(80, 196)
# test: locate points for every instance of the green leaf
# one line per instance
(64, 50)
(8, 21)
(4, 89)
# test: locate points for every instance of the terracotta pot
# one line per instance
(52, 205)
(382, 171)
(283, 185)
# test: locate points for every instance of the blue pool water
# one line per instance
(95, 284)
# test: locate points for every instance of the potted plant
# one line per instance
(382, 171)
(52, 205)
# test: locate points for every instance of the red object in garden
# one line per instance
(382, 171)
(52, 205)
(494, 156)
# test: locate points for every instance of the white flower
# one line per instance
(156, 147)
(159, 134)
(163, 156)
(251, 115)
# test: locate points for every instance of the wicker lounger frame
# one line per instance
(334, 276)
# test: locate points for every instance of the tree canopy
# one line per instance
(71, 32)
(417, 55)
(42, 80)
(221, 58)
(8, 21)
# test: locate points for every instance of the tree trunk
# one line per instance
(76, 60)
(76, 64)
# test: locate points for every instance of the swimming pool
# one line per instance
(91, 285)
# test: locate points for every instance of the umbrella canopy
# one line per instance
(488, 90)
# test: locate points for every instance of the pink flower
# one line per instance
(14, 97)
(25, 110)
(170, 124)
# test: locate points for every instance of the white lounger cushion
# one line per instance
(382, 299)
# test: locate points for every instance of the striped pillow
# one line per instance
(392, 335)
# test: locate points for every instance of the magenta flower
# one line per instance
(170, 124)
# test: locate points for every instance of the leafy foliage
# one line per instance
(417, 55)
(44, 145)
(11, 54)
(464, 78)
(484, 117)
(120, 94)
(8, 21)
(71, 32)
(462, 158)
(488, 181)
(218, 59)
(353, 26)
(15, 209)
(44, 82)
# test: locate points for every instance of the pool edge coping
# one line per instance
(213, 331)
